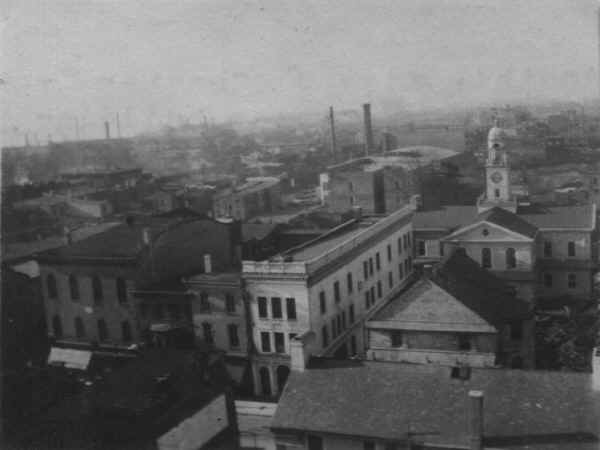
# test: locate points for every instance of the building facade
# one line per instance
(256, 196)
(326, 286)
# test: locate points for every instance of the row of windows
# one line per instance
(316, 443)
(232, 334)
(97, 290)
(229, 303)
(548, 249)
(571, 280)
(278, 341)
(276, 308)
(422, 248)
(403, 244)
(80, 330)
(509, 254)
(338, 325)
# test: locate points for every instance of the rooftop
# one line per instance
(372, 399)
(251, 185)
(567, 217)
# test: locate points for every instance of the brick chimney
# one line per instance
(475, 420)
(300, 350)
(369, 146)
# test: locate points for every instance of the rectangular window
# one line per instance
(279, 342)
(486, 258)
(377, 261)
(441, 249)
(367, 299)
(204, 303)
(389, 252)
(400, 271)
(497, 193)
(464, 341)
(208, 333)
(290, 304)
(379, 289)
(516, 331)
(353, 345)
(322, 302)
(571, 249)
(262, 307)
(572, 280)
(404, 241)
(343, 320)
(265, 342)
(370, 266)
(366, 269)
(351, 314)
(399, 245)
(548, 279)
(315, 443)
(333, 329)
(372, 295)
(397, 339)
(229, 303)
(338, 320)
(234, 339)
(349, 282)
(325, 336)
(390, 279)
(406, 271)
(421, 248)
(276, 307)
(336, 291)
(547, 249)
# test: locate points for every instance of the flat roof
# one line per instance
(324, 245)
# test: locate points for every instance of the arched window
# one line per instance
(486, 258)
(511, 259)
(126, 331)
(282, 375)
(121, 290)
(51, 285)
(102, 330)
(74, 287)
(265, 381)
(57, 327)
(79, 328)
(97, 290)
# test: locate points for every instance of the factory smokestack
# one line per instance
(107, 129)
(368, 128)
(332, 125)
(598, 68)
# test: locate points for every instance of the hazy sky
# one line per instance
(157, 61)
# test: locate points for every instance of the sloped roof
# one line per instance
(446, 217)
(428, 307)
(509, 220)
(372, 399)
(567, 217)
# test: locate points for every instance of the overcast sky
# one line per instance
(157, 61)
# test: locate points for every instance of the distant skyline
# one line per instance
(157, 62)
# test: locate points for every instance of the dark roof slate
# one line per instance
(509, 220)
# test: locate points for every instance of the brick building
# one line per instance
(456, 314)
(326, 286)
(256, 196)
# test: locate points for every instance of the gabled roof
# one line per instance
(428, 307)
(508, 220)
(372, 399)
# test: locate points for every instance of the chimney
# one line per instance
(596, 369)
(368, 128)
(207, 263)
(332, 126)
(476, 420)
(107, 129)
(299, 351)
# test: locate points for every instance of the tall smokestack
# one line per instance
(598, 68)
(107, 129)
(368, 128)
(332, 125)
(118, 126)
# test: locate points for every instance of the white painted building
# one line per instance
(326, 286)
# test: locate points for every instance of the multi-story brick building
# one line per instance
(326, 286)
(541, 251)
(112, 287)
(256, 196)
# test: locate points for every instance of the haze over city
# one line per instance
(157, 62)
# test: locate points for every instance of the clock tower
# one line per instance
(497, 174)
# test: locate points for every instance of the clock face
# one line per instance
(496, 177)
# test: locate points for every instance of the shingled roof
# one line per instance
(385, 400)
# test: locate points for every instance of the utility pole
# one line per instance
(333, 141)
